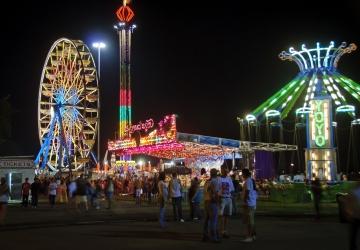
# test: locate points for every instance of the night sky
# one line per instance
(207, 61)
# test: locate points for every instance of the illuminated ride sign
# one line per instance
(320, 121)
(148, 124)
(161, 138)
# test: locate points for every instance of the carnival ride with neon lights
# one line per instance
(318, 76)
(318, 72)
(67, 107)
(125, 29)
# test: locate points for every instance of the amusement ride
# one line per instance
(303, 100)
(67, 107)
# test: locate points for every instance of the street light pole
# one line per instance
(99, 46)
(99, 49)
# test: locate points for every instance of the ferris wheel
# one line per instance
(68, 107)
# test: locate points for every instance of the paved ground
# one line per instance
(126, 227)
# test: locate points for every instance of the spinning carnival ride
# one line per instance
(67, 107)
(318, 76)
(317, 80)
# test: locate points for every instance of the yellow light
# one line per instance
(326, 119)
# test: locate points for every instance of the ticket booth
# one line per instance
(15, 169)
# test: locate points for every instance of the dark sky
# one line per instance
(207, 61)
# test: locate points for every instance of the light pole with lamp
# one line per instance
(99, 46)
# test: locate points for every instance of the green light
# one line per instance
(274, 100)
(319, 120)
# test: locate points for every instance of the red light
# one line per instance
(125, 14)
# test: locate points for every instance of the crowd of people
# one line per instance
(87, 191)
(218, 195)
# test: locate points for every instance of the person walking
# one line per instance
(316, 192)
(71, 191)
(62, 192)
(25, 191)
(235, 194)
(176, 197)
(225, 209)
(162, 197)
(35, 190)
(249, 199)
(81, 195)
(4, 199)
(195, 200)
(97, 194)
(138, 191)
(109, 191)
(211, 200)
(52, 192)
(191, 194)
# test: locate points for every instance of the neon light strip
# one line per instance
(295, 52)
(326, 120)
(345, 85)
(273, 100)
(310, 95)
(313, 106)
(318, 54)
(303, 47)
(346, 108)
(327, 54)
(295, 98)
(351, 84)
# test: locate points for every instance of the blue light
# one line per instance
(272, 113)
(327, 54)
(305, 58)
(303, 110)
(355, 122)
(345, 108)
(250, 117)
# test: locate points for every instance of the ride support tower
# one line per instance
(125, 28)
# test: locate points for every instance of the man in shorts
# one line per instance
(249, 198)
(225, 206)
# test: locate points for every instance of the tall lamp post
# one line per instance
(99, 46)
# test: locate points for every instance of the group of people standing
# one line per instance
(76, 192)
(217, 196)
